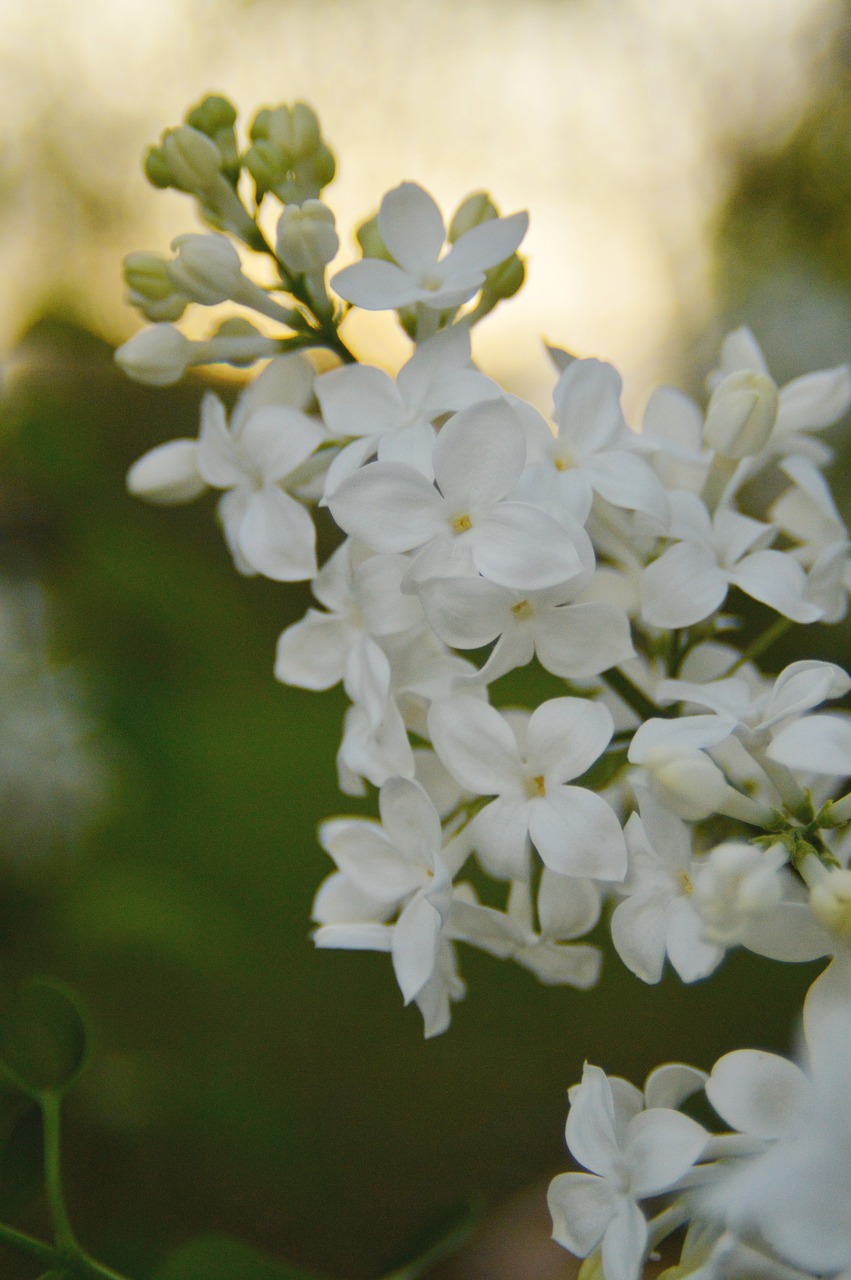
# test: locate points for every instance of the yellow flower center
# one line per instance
(462, 523)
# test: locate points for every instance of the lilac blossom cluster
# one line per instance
(671, 786)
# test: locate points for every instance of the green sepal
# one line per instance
(215, 1257)
(44, 1038)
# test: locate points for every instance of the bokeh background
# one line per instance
(686, 167)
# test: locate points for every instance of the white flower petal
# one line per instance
(312, 653)
(277, 536)
(757, 1093)
(661, 1146)
(388, 506)
(487, 244)
(415, 943)
(475, 743)
(581, 1207)
(580, 640)
(375, 285)
(411, 226)
(410, 820)
(778, 581)
(820, 744)
(578, 834)
(625, 1242)
(480, 453)
(684, 586)
(499, 833)
(565, 736)
(519, 546)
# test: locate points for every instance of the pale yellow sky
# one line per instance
(612, 121)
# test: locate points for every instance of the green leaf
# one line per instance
(220, 1258)
(44, 1037)
(445, 1232)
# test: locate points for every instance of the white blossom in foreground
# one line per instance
(465, 520)
(392, 870)
(412, 228)
(796, 1194)
(632, 1154)
(526, 767)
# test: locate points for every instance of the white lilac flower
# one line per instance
(567, 908)
(394, 419)
(394, 868)
(796, 1194)
(464, 520)
(362, 595)
(571, 639)
(412, 671)
(760, 713)
(657, 916)
(690, 580)
(412, 228)
(593, 451)
(256, 460)
(526, 767)
(632, 1154)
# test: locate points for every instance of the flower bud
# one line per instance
(686, 781)
(472, 212)
(151, 288)
(504, 280)
(288, 155)
(194, 161)
(168, 474)
(830, 902)
(369, 238)
(207, 268)
(157, 169)
(306, 240)
(159, 355)
(741, 415)
(215, 116)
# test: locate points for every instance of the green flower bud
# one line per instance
(503, 280)
(288, 155)
(305, 130)
(194, 159)
(157, 169)
(215, 116)
(369, 238)
(472, 212)
(264, 162)
(212, 114)
(147, 274)
(324, 166)
(151, 289)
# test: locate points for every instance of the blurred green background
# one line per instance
(242, 1082)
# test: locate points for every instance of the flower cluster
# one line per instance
(653, 773)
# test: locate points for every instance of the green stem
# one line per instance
(39, 1250)
(70, 1263)
(757, 647)
(50, 1110)
(633, 696)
